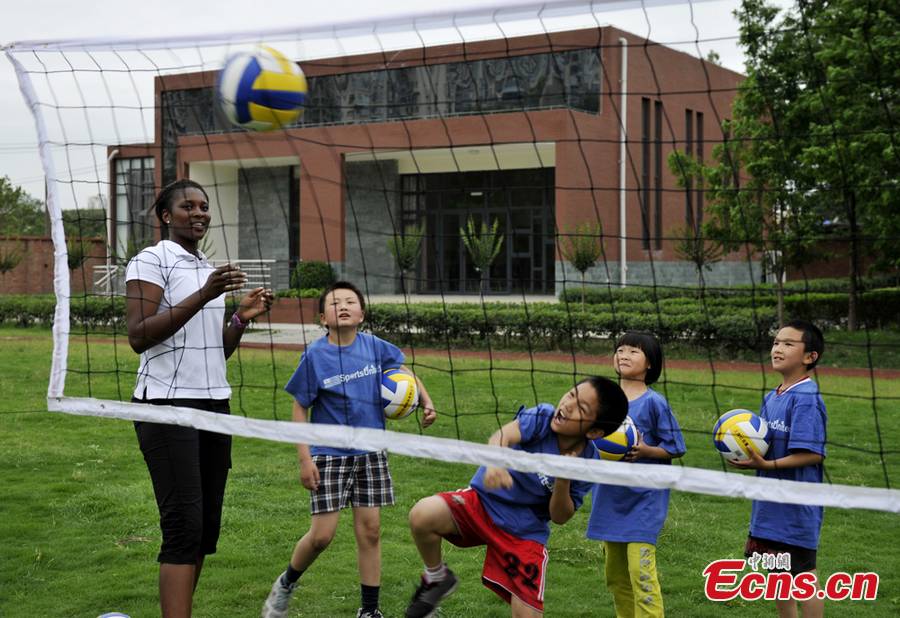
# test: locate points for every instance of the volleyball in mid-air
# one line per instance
(617, 444)
(261, 90)
(739, 432)
(399, 394)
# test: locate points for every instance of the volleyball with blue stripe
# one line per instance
(617, 444)
(399, 394)
(739, 432)
(262, 90)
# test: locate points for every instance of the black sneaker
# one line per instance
(429, 596)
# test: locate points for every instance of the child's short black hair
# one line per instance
(813, 340)
(649, 345)
(164, 199)
(341, 285)
(613, 404)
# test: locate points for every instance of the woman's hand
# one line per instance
(257, 302)
(228, 278)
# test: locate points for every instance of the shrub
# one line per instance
(302, 293)
(312, 274)
(828, 307)
(881, 307)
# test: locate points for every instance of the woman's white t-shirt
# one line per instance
(191, 363)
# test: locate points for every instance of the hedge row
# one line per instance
(90, 311)
(720, 321)
(762, 292)
(555, 327)
(876, 308)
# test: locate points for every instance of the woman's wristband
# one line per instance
(237, 323)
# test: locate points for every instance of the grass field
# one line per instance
(78, 524)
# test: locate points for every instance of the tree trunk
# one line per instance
(407, 285)
(404, 284)
(852, 322)
(700, 281)
(582, 292)
(851, 300)
(779, 294)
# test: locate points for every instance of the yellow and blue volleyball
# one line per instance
(739, 432)
(261, 90)
(617, 444)
(399, 394)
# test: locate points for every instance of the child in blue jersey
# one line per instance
(796, 416)
(510, 511)
(628, 519)
(338, 382)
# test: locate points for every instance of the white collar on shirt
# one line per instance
(780, 392)
(173, 247)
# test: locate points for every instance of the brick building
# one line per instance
(540, 133)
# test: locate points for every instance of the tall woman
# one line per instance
(176, 322)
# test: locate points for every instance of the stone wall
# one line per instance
(371, 209)
(662, 273)
(264, 222)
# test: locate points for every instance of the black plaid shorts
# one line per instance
(351, 480)
(802, 558)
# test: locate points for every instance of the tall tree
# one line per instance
(20, 213)
(811, 150)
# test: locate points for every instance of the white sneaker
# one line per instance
(279, 597)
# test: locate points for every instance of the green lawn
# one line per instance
(78, 524)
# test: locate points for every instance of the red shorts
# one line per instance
(512, 566)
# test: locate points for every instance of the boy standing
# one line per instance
(796, 416)
(339, 377)
(510, 511)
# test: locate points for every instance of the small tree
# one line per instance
(693, 245)
(77, 252)
(9, 259)
(406, 249)
(582, 249)
(483, 247)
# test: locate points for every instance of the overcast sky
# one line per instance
(68, 19)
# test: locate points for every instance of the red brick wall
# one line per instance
(833, 263)
(587, 145)
(34, 274)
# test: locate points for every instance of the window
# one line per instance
(693, 191)
(134, 197)
(521, 201)
(651, 172)
(658, 171)
(644, 194)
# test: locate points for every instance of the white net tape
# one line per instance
(682, 478)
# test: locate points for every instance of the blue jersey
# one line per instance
(524, 509)
(341, 385)
(636, 514)
(797, 420)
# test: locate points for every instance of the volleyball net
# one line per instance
(512, 188)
